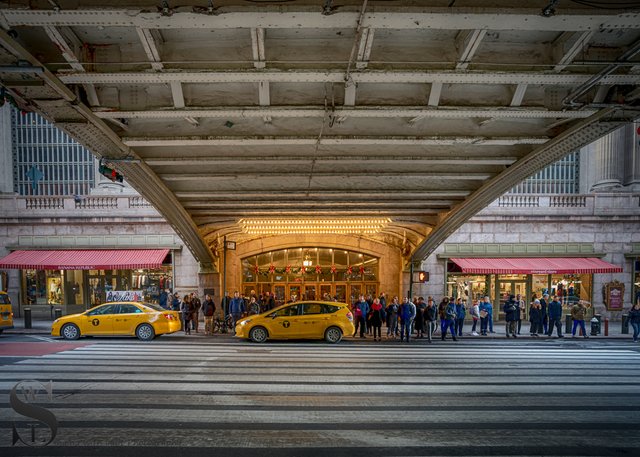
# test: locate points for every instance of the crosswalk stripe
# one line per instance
(333, 399)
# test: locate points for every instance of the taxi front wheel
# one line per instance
(145, 332)
(333, 335)
(258, 334)
(70, 332)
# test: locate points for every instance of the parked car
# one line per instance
(301, 320)
(6, 313)
(144, 320)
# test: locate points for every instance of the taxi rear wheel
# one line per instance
(258, 334)
(333, 335)
(145, 332)
(70, 332)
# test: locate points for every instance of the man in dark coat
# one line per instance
(555, 316)
(512, 315)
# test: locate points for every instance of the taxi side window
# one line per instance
(107, 309)
(330, 309)
(312, 308)
(129, 309)
(288, 311)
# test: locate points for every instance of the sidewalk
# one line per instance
(615, 331)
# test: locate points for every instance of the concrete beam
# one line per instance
(383, 18)
(568, 46)
(369, 77)
(360, 112)
(467, 43)
(177, 95)
(434, 94)
(518, 95)
(275, 177)
(364, 48)
(150, 48)
(59, 37)
(332, 141)
(257, 47)
(226, 163)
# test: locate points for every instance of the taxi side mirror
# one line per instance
(273, 316)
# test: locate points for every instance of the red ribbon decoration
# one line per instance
(362, 270)
(288, 269)
(272, 268)
(303, 269)
(256, 269)
(318, 269)
(349, 269)
(333, 269)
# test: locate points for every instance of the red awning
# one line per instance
(535, 265)
(85, 259)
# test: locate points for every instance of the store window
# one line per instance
(572, 288)
(87, 288)
(43, 287)
(467, 287)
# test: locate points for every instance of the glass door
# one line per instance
(294, 293)
(309, 292)
(325, 292)
(341, 292)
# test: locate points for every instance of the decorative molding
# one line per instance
(518, 250)
(97, 241)
(635, 250)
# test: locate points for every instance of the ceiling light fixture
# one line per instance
(367, 226)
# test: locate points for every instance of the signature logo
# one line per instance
(95, 322)
(22, 399)
(286, 324)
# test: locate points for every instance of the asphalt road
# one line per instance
(173, 396)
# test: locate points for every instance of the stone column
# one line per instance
(609, 161)
(632, 165)
(6, 151)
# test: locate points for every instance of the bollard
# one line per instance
(58, 313)
(606, 326)
(27, 318)
(625, 324)
(568, 322)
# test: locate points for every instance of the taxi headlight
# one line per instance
(245, 322)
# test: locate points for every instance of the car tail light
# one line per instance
(169, 316)
(350, 316)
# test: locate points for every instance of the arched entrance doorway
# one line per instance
(311, 273)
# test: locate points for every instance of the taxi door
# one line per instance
(312, 322)
(286, 323)
(128, 318)
(98, 321)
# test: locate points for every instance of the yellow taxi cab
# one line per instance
(300, 320)
(144, 320)
(6, 313)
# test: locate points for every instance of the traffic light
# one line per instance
(420, 276)
(110, 173)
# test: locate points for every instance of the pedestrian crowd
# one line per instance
(415, 318)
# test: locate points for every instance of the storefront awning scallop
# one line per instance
(535, 265)
(85, 259)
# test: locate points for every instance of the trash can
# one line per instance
(625, 324)
(58, 313)
(568, 323)
(595, 325)
(27, 318)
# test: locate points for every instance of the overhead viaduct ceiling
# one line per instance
(419, 111)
